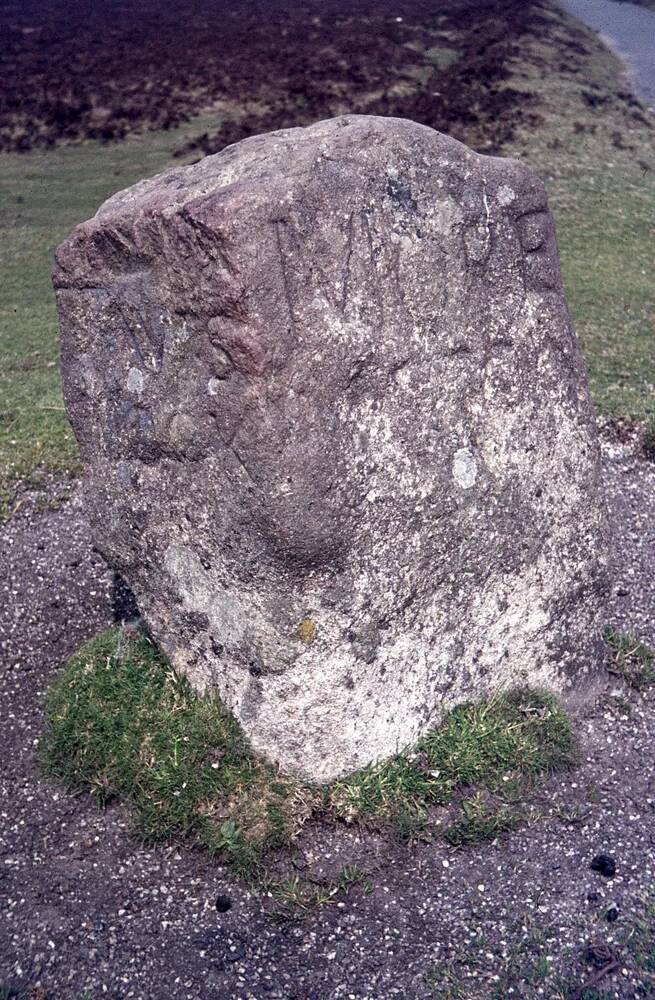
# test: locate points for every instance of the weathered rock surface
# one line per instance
(337, 432)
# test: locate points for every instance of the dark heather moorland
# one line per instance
(101, 72)
(485, 892)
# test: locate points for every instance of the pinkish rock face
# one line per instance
(337, 432)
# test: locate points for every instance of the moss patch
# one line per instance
(121, 724)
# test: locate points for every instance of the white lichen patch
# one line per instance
(444, 216)
(465, 468)
(175, 336)
(505, 195)
(135, 381)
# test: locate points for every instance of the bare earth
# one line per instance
(88, 912)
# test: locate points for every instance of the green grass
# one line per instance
(605, 242)
(631, 659)
(121, 725)
(481, 821)
(42, 196)
(295, 895)
(599, 167)
(641, 941)
(511, 738)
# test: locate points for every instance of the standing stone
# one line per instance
(337, 432)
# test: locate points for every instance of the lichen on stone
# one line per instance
(305, 631)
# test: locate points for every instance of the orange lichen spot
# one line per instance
(306, 631)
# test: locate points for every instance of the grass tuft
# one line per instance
(505, 741)
(641, 941)
(122, 725)
(480, 822)
(295, 895)
(630, 659)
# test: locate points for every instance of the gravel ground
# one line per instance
(88, 912)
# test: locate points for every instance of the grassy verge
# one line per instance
(595, 149)
(120, 724)
(42, 196)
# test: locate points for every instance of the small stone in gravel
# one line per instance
(236, 953)
(605, 864)
(600, 955)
